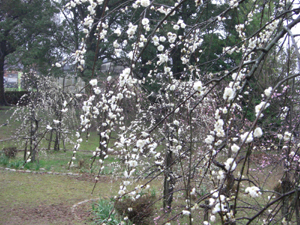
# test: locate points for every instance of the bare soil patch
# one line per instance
(43, 214)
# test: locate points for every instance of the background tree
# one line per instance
(26, 36)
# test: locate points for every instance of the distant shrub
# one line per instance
(10, 152)
(13, 97)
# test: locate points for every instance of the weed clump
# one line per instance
(138, 210)
(10, 152)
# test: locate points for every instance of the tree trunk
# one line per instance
(2, 95)
(57, 139)
(169, 181)
(50, 141)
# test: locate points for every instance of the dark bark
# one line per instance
(169, 181)
(5, 49)
(50, 141)
(2, 94)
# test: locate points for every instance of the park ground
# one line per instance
(41, 198)
(47, 199)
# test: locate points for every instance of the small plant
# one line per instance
(37, 167)
(3, 160)
(153, 193)
(48, 167)
(27, 166)
(102, 212)
(138, 210)
(10, 152)
(81, 163)
(16, 164)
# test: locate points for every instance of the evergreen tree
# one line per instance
(26, 35)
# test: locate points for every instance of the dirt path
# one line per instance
(39, 199)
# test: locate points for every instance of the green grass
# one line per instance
(31, 192)
(57, 161)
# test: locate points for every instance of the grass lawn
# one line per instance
(47, 199)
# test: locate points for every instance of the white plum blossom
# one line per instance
(162, 39)
(132, 163)
(219, 127)
(268, 91)
(56, 121)
(97, 90)
(235, 148)
(284, 113)
(229, 94)
(253, 191)
(140, 143)
(258, 132)
(219, 207)
(221, 175)
(209, 139)
(120, 96)
(93, 82)
(230, 164)
(218, 142)
(172, 88)
(249, 136)
(116, 44)
(182, 25)
(171, 37)
(219, 123)
(121, 192)
(260, 106)
(64, 110)
(176, 122)
(176, 27)
(145, 21)
(287, 136)
(49, 127)
(186, 212)
(162, 58)
(145, 3)
(131, 30)
(118, 31)
(155, 39)
(160, 48)
(198, 86)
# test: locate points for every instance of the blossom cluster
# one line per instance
(189, 119)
